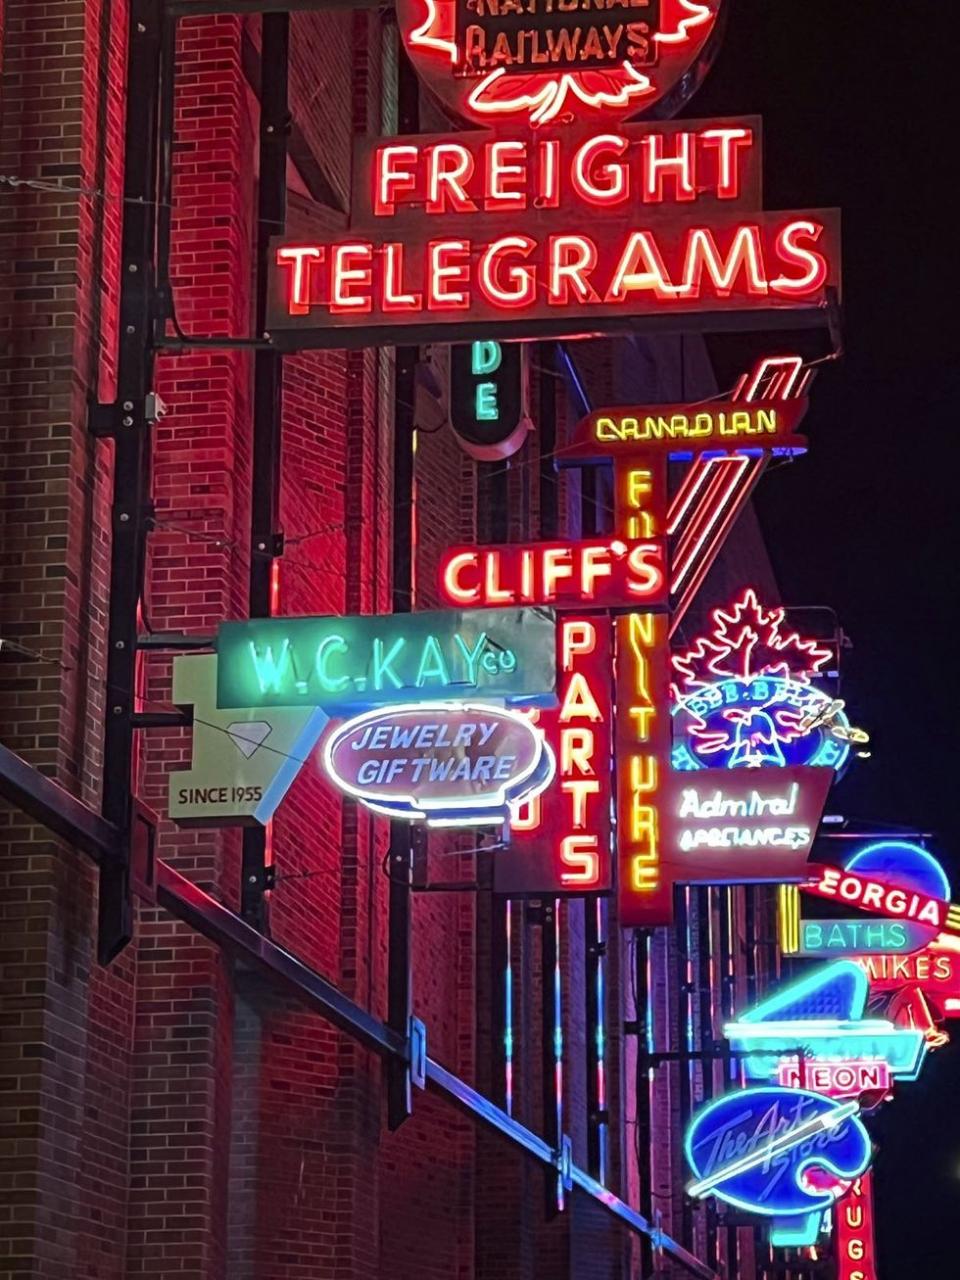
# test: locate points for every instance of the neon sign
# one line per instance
(725, 828)
(853, 937)
(601, 572)
(559, 840)
(872, 894)
(427, 249)
(538, 61)
(783, 1154)
(853, 1232)
(683, 430)
(821, 1016)
(743, 697)
(836, 1079)
(642, 755)
(363, 661)
(489, 410)
(459, 765)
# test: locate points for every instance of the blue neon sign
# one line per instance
(783, 1154)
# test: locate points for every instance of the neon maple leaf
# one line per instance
(560, 94)
(748, 640)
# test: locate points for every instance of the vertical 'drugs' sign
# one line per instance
(643, 736)
(560, 840)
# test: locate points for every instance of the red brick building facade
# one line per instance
(169, 1115)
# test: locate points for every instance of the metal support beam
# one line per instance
(202, 912)
(59, 811)
(401, 852)
(149, 75)
(265, 541)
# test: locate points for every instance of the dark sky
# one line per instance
(858, 103)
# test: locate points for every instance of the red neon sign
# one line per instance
(835, 1079)
(643, 761)
(934, 971)
(560, 840)
(853, 1233)
(871, 894)
(507, 60)
(699, 166)
(605, 572)
(585, 245)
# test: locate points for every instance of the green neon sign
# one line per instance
(335, 662)
(857, 937)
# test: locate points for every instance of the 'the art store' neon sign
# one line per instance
(783, 1154)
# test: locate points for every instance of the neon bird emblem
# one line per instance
(784, 1154)
(744, 698)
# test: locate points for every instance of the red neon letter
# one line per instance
(389, 181)
(449, 165)
(657, 166)
(728, 143)
(345, 278)
(438, 295)
(745, 254)
(641, 267)
(549, 185)
(568, 257)
(452, 586)
(499, 172)
(393, 299)
(613, 187)
(524, 285)
(579, 852)
(792, 253)
(299, 258)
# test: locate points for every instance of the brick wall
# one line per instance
(171, 1115)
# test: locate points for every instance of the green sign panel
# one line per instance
(861, 937)
(243, 760)
(339, 663)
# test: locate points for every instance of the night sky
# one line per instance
(857, 99)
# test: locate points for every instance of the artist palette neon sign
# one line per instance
(543, 60)
(744, 697)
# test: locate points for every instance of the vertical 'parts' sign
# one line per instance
(560, 840)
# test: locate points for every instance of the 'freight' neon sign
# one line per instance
(549, 233)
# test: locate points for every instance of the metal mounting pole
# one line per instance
(150, 60)
(401, 854)
(265, 538)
